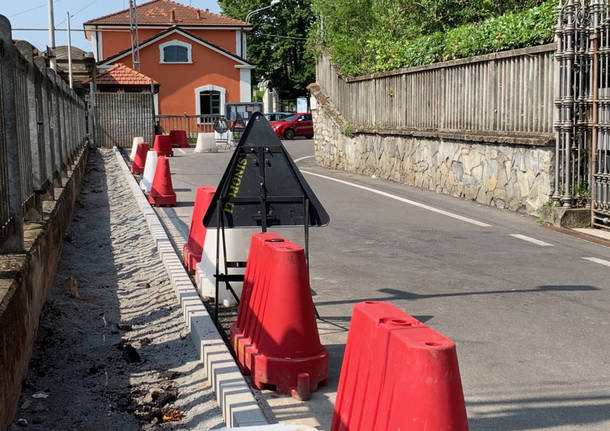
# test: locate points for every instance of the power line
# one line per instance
(46, 29)
(79, 11)
(282, 37)
(29, 10)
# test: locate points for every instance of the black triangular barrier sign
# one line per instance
(262, 178)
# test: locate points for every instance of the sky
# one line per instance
(34, 14)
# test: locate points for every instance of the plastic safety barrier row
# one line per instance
(276, 337)
(149, 171)
(162, 190)
(178, 138)
(163, 145)
(134, 146)
(397, 374)
(194, 246)
(137, 167)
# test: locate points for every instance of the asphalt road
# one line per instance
(528, 307)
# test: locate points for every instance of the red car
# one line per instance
(294, 125)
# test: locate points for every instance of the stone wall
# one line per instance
(25, 280)
(515, 177)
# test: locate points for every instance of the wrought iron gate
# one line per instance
(582, 82)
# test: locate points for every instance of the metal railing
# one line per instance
(582, 163)
(42, 129)
(192, 124)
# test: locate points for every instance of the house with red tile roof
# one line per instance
(120, 77)
(196, 58)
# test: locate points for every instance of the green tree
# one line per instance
(277, 43)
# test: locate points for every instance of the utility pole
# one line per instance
(133, 29)
(52, 62)
(69, 51)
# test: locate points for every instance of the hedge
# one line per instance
(531, 27)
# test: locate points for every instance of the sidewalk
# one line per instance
(112, 351)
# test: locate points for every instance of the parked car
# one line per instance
(294, 125)
(276, 116)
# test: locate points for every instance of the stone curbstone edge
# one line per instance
(233, 394)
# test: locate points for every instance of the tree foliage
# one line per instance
(276, 44)
(374, 35)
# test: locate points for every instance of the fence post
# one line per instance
(46, 122)
(14, 241)
(92, 125)
(36, 148)
(54, 126)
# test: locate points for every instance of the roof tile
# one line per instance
(120, 74)
(159, 12)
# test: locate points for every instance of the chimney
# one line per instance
(173, 16)
(198, 13)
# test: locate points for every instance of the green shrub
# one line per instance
(358, 54)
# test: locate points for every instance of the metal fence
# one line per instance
(42, 129)
(582, 169)
(192, 124)
(121, 116)
(507, 93)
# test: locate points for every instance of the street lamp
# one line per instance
(252, 12)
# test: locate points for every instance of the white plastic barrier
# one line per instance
(238, 244)
(149, 171)
(134, 146)
(205, 143)
(226, 137)
(275, 427)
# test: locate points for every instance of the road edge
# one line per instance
(233, 394)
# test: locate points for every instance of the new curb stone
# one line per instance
(233, 394)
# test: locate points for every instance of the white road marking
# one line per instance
(407, 201)
(596, 260)
(181, 150)
(530, 239)
(303, 158)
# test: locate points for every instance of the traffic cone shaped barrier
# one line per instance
(137, 167)
(279, 343)
(247, 323)
(178, 138)
(134, 146)
(397, 374)
(237, 242)
(163, 145)
(162, 191)
(194, 246)
(205, 143)
(149, 171)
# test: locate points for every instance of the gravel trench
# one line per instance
(112, 351)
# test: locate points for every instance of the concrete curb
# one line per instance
(238, 405)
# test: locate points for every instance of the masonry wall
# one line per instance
(512, 176)
(25, 281)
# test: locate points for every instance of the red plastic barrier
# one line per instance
(163, 145)
(162, 190)
(276, 337)
(194, 246)
(137, 167)
(178, 138)
(397, 374)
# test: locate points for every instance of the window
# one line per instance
(209, 102)
(175, 51)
